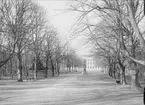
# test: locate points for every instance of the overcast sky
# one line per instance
(64, 22)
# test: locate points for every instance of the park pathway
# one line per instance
(94, 88)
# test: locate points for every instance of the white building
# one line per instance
(90, 63)
(94, 64)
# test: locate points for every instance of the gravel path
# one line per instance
(93, 88)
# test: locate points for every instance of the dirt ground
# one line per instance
(94, 88)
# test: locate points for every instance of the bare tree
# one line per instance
(49, 49)
(38, 36)
(18, 16)
(125, 16)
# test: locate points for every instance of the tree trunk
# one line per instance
(69, 68)
(123, 78)
(52, 71)
(72, 68)
(5, 70)
(11, 68)
(46, 69)
(114, 71)
(110, 71)
(27, 72)
(52, 67)
(46, 72)
(58, 69)
(19, 61)
(35, 69)
(135, 79)
(55, 68)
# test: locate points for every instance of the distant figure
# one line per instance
(84, 64)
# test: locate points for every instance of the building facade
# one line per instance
(90, 63)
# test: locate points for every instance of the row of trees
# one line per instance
(119, 37)
(28, 41)
(73, 60)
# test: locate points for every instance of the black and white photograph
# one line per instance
(72, 52)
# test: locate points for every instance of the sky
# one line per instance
(64, 21)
